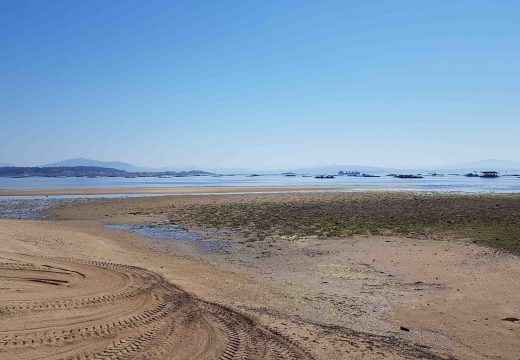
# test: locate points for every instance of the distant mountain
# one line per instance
(89, 171)
(64, 171)
(481, 165)
(127, 167)
(96, 163)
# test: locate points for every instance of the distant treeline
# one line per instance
(87, 171)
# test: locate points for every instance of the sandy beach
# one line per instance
(103, 293)
(259, 180)
(88, 303)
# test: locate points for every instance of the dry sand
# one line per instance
(336, 298)
(57, 308)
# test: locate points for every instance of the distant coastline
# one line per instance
(89, 171)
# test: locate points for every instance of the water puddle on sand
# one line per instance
(171, 232)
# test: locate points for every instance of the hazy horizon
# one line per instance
(260, 85)
(476, 165)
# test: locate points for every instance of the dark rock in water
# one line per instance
(404, 329)
(511, 319)
(408, 176)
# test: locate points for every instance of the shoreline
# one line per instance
(192, 190)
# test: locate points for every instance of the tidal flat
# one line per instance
(342, 275)
(488, 219)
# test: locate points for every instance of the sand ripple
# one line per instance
(54, 308)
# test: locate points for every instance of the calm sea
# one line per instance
(447, 183)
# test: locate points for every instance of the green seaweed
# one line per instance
(492, 220)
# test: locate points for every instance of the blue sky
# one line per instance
(260, 84)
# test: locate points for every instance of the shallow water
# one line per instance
(24, 209)
(448, 183)
(170, 232)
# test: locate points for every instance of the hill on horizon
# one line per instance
(67, 171)
(119, 165)
(480, 165)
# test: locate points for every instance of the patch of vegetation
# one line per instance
(339, 272)
(492, 220)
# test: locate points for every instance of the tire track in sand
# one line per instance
(55, 308)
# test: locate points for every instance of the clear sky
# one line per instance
(260, 84)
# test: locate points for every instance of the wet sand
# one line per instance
(188, 190)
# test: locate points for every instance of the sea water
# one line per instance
(447, 183)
